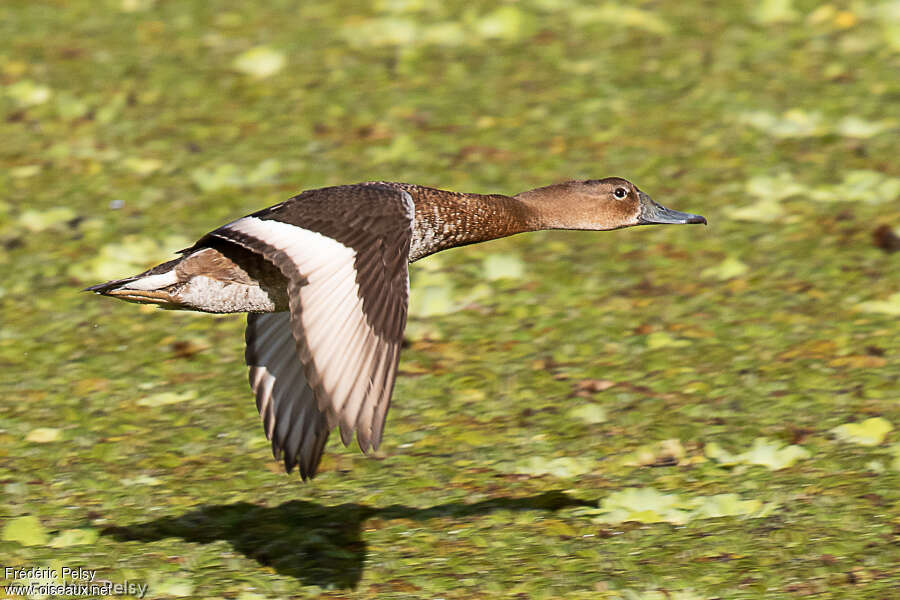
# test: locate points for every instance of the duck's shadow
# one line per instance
(316, 544)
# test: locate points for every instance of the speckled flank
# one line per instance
(211, 295)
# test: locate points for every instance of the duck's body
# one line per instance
(324, 277)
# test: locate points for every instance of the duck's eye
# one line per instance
(620, 193)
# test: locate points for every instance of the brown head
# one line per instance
(598, 204)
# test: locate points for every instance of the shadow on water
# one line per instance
(316, 544)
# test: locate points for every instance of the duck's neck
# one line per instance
(449, 219)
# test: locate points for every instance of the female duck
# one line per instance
(324, 279)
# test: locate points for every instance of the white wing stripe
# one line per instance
(347, 363)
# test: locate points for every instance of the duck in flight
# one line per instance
(324, 279)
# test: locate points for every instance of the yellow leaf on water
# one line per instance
(620, 15)
(27, 531)
(41, 220)
(895, 452)
(768, 12)
(794, 123)
(142, 166)
(499, 266)
(588, 413)
(74, 537)
(870, 432)
(763, 211)
(727, 269)
(764, 452)
(42, 435)
(24, 171)
(259, 62)
(166, 398)
(852, 126)
(127, 256)
(28, 93)
(563, 467)
(664, 452)
(845, 19)
(891, 306)
(661, 339)
(433, 300)
(506, 23)
(131, 6)
(729, 505)
(858, 361)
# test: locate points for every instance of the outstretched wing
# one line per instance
(344, 252)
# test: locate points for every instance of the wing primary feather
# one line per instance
(276, 359)
(288, 408)
(384, 405)
(308, 414)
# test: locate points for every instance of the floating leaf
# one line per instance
(74, 537)
(499, 266)
(663, 452)
(764, 453)
(24, 171)
(768, 12)
(251, 596)
(870, 186)
(180, 587)
(450, 33)
(777, 187)
(661, 339)
(26, 530)
(858, 361)
(856, 127)
(763, 211)
(891, 306)
(41, 220)
(507, 23)
(731, 505)
(563, 467)
(166, 398)
(220, 177)
(132, 254)
(727, 269)
(795, 123)
(385, 31)
(141, 480)
(70, 107)
(866, 186)
(28, 93)
(142, 166)
(259, 62)
(265, 172)
(620, 15)
(772, 455)
(226, 175)
(895, 452)
(588, 413)
(433, 300)
(42, 435)
(645, 505)
(130, 6)
(870, 432)
(401, 6)
(889, 17)
(770, 191)
(719, 454)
